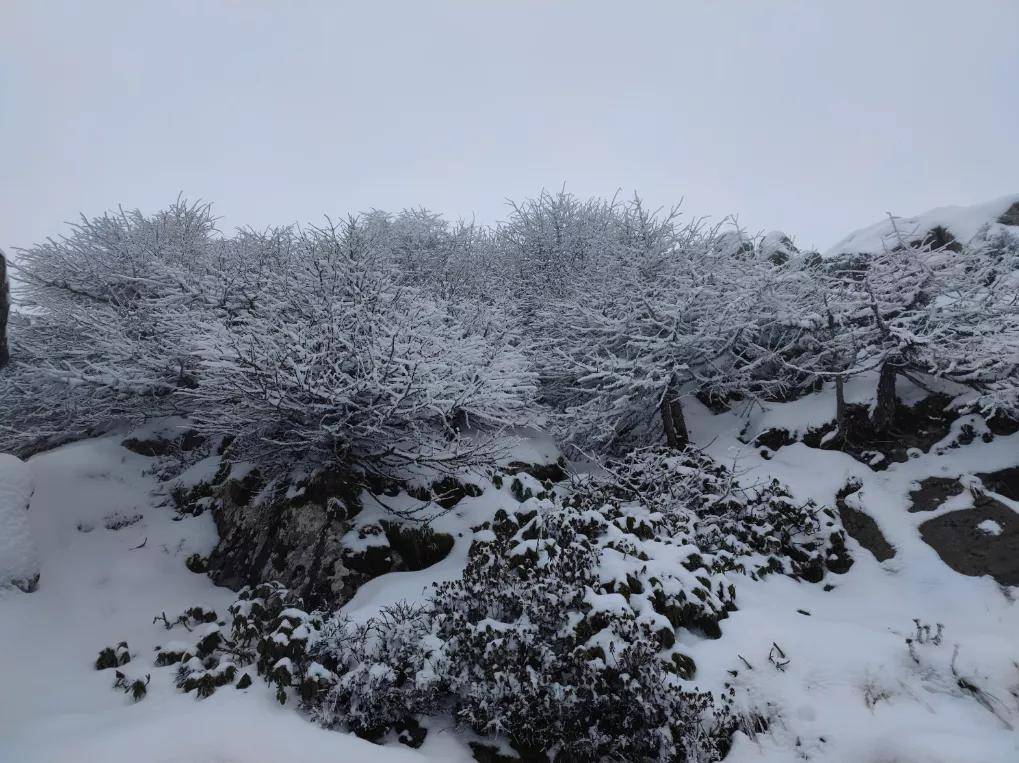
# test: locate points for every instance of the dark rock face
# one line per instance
(303, 542)
(862, 527)
(1004, 482)
(933, 492)
(970, 550)
(296, 542)
(5, 311)
(1010, 216)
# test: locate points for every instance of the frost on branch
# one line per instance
(311, 343)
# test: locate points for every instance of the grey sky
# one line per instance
(811, 117)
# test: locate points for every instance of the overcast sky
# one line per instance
(810, 117)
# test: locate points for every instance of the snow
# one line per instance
(962, 222)
(854, 640)
(19, 558)
(990, 527)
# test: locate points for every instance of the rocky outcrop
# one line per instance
(297, 541)
(1010, 216)
(932, 492)
(307, 537)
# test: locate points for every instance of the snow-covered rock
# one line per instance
(19, 558)
(777, 246)
(961, 224)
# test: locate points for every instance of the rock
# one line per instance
(311, 543)
(448, 492)
(553, 472)
(19, 557)
(963, 542)
(1011, 215)
(297, 542)
(418, 545)
(774, 438)
(778, 247)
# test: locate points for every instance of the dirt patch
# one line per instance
(983, 540)
(861, 526)
(918, 427)
(933, 492)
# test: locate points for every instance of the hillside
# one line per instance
(789, 579)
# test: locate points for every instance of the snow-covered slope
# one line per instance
(851, 690)
(963, 223)
(848, 688)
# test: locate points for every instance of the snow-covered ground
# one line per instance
(101, 586)
(963, 222)
(850, 691)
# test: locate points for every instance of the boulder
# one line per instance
(307, 537)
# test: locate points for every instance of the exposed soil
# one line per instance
(969, 550)
(862, 527)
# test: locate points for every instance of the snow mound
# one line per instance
(19, 558)
(963, 223)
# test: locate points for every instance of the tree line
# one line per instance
(385, 340)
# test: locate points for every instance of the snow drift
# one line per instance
(19, 558)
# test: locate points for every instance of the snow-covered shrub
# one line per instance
(917, 310)
(136, 687)
(533, 644)
(754, 529)
(313, 345)
(561, 633)
(380, 675)
(657, 310)
(336, 360)
(113, 656)
(564, 634)
(107, 327)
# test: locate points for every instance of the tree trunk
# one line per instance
(884, 410)
(5, 309)
(673, 420)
